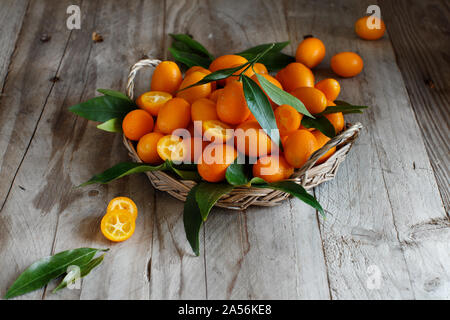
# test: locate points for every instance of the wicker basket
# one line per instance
(309, 176)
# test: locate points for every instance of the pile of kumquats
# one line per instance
(172, 122)
(245, 119)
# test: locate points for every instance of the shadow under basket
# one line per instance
(309, 176)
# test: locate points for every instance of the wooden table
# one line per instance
(387, 208)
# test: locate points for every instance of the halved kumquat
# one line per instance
(118, 225)
(152, 101)
(172, 148)
(123, 203)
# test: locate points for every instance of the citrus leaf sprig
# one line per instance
(237, 172)
(228, 72)
(110, 109)
(44, 270)
(320, 123)
(189, 52)
(274, 59)
(344, 107)
(84, 270)
(203, 196)
(126, 168)
(260, 107)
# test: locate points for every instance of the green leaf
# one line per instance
(117, 94)
(184, 173)
(42, 271)
(112, 125)
(192, 220)
(121, 170)
(265, 49)
(260, 107)
(342, 103)
(257, 181)
(126, 168)
(296, 190)
(278, 46)
(320, 123)
(279, 96)
(216, 75)
(345, 109)
(238, 174)
(225, 73)
(84, 270)
(208, 194)
(274, 59)
(191, 43)
(180, 46)
(103, 108)
(189, 59)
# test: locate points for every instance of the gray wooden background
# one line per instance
(387, 209)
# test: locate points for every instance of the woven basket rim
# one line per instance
(309, 176)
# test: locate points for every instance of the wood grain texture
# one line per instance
(422, 57)
(11, 18)
(27, 233)
(28, 85)
(379, 196)
(105, 65)
(48, 214)
(384, 208)
(259, 253)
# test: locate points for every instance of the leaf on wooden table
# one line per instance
(103, 108)
(279, 96)
(320, 123)
(260, 107)
(78, 273)
(44, 270)
(112, 125)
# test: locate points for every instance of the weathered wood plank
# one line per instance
(11, 18)
(125, 272)
(259, 253)
(384, 207)
(175, 272)
(27, 233)
(421, 54)
(45, 213)
(379, 196)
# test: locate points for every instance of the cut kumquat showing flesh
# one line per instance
(152, 101)
(216, 131)
(123, 203)
(171, 147)
(118, 225)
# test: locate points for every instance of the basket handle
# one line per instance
(151, 63)
(334, 142)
